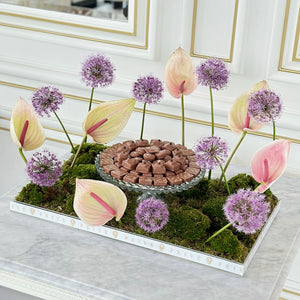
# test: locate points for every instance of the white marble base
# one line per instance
(146, 242)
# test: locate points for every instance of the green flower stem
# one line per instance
(212, 112)
(226, 183)
(91, 99)
(65, 131)
(182, 119)
(274, 131)
(212, 121)
(78, 150)
(232, 154)
(90, 106)
(22, 155)
(219, 231)
(209, 175)
(143, 121)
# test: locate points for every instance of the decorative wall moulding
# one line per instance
(153, 113)
(132, 34)
(145, 242)
(205, 28)
(289, 58)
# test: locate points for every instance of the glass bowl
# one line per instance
(145, 190)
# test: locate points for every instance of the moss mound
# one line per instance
(194, 215)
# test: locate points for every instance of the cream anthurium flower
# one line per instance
(269, 163)
(239, 119)
(97, 202)
(25, 128)
(106, 121)
(180, 74)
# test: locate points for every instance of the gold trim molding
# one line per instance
(296, 41)
(194, 54)
(133, 33)
(78, 25)
(158, 114)
(283, 41)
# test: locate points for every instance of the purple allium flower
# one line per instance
(246, 210)
(148, 89)
(152, 214)
(44, 168)
(97, 71)
(264, 106)
(211, 151)
(46, 99)
(213, 73)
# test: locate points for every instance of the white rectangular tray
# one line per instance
(146, 242)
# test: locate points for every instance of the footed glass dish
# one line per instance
(147, 191)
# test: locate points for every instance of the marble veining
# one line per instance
(102, 264)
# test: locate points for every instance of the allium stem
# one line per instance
(182, 119)
(91, 98)
(226, 183)
(219, 231)
(212, 112)
(274, 131)
(22, 155)
(232, 154)
(143, 120)
(78, 150)
(64, 129)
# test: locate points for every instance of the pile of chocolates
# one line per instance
(157, 162)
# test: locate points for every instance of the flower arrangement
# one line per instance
(215, 216)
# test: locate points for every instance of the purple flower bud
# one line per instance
(264, 106)
(213, 73)
(148, 89)
(44, 168)
(46, 99)
(246, 210)
(97, 71)
(152, 214)
(211, 151)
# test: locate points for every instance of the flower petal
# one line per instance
(269, 163)
(106, 121)
(180, 74)
(238, 119)
(25, 128)
(95, 201)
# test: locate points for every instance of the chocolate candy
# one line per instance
(156, 163)
(158, 167)
(143, 167)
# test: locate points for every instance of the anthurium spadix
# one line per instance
(106, 120)
(25, 129)
(180, 74)
(239, 119)
(97, 202)
(269, 163)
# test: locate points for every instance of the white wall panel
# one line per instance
(53, 55)
(211, 38)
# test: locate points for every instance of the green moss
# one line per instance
(188, 223)
(241, 181)
(194, 215)
(228, 244)
(213, 208)
(31, 193)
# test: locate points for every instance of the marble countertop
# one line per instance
(51, 261)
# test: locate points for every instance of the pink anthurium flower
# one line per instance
(180, 74)
(106, 120)
(239, 119)
(269, 163)
(97, 202)
(25, 128)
